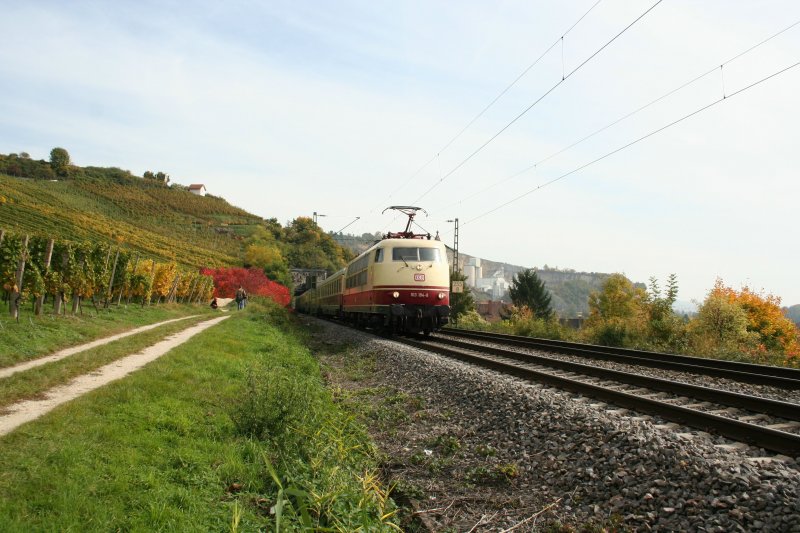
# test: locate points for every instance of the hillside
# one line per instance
(151, 218)
(793, 313)
(148, 216)
(568, 288)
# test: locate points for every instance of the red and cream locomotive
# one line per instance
(401, 283)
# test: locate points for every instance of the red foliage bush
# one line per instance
(254, 281)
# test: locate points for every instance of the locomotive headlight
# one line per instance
(442, 295)
(395, 294)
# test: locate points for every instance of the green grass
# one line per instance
(33, 382)
(169, 448)
(35, 336)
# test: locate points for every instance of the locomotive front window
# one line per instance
(379, 255)
(430, 255)
(416, 254)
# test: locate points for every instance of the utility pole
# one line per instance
(318, 215)
(455, 246)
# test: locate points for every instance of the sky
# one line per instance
(344, 108)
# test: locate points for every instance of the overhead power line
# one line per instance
(494, 101)
(621, 148)
(626, 116)
(531, 106)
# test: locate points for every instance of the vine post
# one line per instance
(76, 290)
(188, 298)
(48, 256)
(174, 289)
(58, 300)
(16, 295)
(111, 282)
(148, 296)
(135, 264)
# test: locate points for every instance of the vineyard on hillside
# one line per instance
(43, 271)
(99, 216)
(150, 218)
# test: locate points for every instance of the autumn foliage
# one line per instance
(253, 280)
(771, 330)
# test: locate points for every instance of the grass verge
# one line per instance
(34, 382)
(37, 336)
(201, 439)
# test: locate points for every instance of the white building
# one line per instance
(496, 284)
(198, 189)
(473, 271)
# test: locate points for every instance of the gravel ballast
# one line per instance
(763, 391)
(519, 449)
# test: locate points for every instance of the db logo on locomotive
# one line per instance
(419, 277)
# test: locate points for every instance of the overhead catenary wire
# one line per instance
(628, 115)
(535, 102)
(493, 101)
(628, 145)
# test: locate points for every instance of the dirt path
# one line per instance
(61, 354)
(22, 412)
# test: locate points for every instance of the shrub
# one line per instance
(472, 320)
(275, 401)
(523, 321)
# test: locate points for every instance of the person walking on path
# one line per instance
(241, 298)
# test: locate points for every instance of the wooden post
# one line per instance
(146, 298)
(133, 273)
(76, 297)
(189, 297)
(59, 298)
(16, 294)
(174, 289)
(48, 256)
(201, 291)
(111, 282)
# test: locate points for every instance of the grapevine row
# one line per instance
(36, 269)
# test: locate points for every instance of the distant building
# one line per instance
(473, 271)
(496, 284)
(198, 189)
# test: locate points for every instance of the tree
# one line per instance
(268, 257)
(463, 302)
(59, 161)
(527, 290)
(309, 247)
(665, 329)
(722, 320)
(157, 176)
(765, 321)
(227, 280)
(618, 313)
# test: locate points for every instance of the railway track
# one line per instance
(781, 377)
(766, 423)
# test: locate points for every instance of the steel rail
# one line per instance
(763, 437)
(781, 377)
(778, 408)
